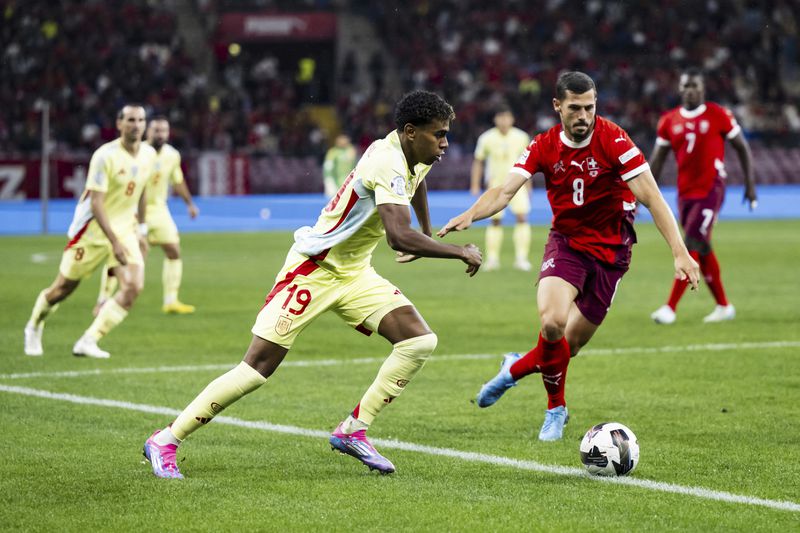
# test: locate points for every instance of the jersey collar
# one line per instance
(572, 144)
(699, 110)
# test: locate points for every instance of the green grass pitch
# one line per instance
(715, 407)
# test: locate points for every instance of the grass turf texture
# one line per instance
(718, 419)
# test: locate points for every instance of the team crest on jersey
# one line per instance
(677, 129)
(592, 167)
(704, 125)
(399, 185)
(283, 325)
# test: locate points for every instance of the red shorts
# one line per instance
(595, 280)
(698, 215)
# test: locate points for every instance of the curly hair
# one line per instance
(421, 107)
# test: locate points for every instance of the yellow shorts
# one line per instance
(303, 291)
(520, 204)
(83, 257)
(161, 229)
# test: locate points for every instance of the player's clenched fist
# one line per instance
(472, 257)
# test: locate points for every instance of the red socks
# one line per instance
(679, 285)
(551, 359)
(710, 268)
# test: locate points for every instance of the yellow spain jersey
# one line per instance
(500, 152)
(122, 177)
(349, 227)
(167, 172)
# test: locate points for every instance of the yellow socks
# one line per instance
(41, 309)
(109, 316)
(402, 364)
(522, 241)
(217, 395)
(494, 242)
(171, 279)
(108, 285)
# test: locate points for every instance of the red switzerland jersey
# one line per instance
(592, 205)
(698, 139)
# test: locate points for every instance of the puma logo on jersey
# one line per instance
(620, 139)
(579, 165)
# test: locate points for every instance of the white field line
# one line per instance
(711, 347)
(474, 457)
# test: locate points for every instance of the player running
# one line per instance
(594, 175)
(104, 228)
(328, 269)
(696, 132)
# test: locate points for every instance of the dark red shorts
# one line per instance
(698, 215)
(596, 281)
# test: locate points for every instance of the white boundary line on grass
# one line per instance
(711, 347)
(474, 457)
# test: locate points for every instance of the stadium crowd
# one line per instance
(86, 57)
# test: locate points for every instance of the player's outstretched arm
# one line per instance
(403, 238)
(746, 159)
(492, 201)
(645, 189)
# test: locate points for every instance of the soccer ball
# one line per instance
(609, 449)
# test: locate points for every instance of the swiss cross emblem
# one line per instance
(704, 125)
(592, 167)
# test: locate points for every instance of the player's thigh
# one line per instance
(599, 292)
(302, 292)
(84, 257)
(520, 203)
(161, 228)
(561, 279)
(369, 298)
(133, 254)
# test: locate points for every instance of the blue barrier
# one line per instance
(290, 211)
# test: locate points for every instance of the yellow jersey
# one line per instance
(500, 152)
(349, 227)
(167, 172)
(122, 177)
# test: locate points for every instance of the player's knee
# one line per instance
(418, 348)
(553, 326)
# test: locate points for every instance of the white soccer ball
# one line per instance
(610, 449)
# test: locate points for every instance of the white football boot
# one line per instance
(522, 264)
(33, 339)
(490, 265)
(87, 347)
(663, 315)
(721, 313)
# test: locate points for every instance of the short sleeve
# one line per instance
(177, 172)
(387, 179)
(100, 172)
(728, 125)
(629, 160)
(481, 148)
(529, 162)
(663, 133)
